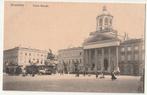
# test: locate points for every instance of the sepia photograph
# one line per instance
(74, 47)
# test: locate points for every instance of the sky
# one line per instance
(64, 25)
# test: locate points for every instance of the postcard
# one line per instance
(74, 47)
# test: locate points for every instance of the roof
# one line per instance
(131, 41)
(73, 48)
(101, 36)
(18, 48)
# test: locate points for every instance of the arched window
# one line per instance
(111, 21)
(100, 22)
(106, 21)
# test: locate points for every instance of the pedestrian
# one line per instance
(23, 72)
(97, 74)
(84, 73)
(77, 73)
(33, 74)
(102, 75)
(118, 71)
(113, 77)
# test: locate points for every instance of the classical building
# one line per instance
(69, 58)
(103, 51)
(101, 48)
(21, 56)
(131, 59)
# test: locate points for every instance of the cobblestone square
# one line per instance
(70, 83)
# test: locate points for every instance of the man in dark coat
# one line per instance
(113, 76)
(97, 74)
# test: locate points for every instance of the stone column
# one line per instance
(85, 54)
(96, 59)
(116, 65)
(89, 58)
(85, 58)
(102, 60)
(109, 60)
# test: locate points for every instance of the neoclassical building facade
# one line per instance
(101, 48)
(104, 51)
(24, 56)
(68, 58)
(131, 59)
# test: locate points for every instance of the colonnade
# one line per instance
(101, 56)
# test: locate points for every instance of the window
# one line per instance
(29, 54)
(101, 22)
(106, 21)
(25, 54)
(37, 60)
(69, 62)
(29, 60)
(111, 21)
(136, 47)
(136, 56)
(122, 49)
(37, 54)
(100, 28)
(80, 53)
(129, 57)
(20, 53)
(143, 56)
(122, 58)
(41, 62)
(142, 47)
(129, 48)
(80, 61)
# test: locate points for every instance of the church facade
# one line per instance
(101, 48)
(104, 51)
